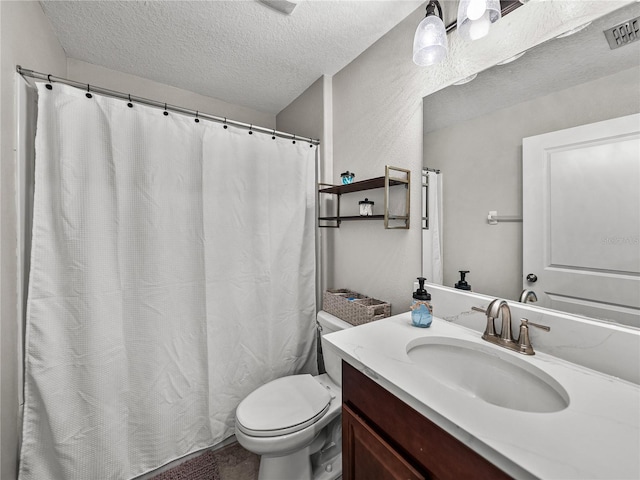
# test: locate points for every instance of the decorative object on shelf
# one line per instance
(353, 307)
(366, 208)
(347, 177)
(430, 43)
(391, 219)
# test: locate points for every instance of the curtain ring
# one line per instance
(250, 128)
(88, 94)
(225, 123)
(48, 85)
(197, 120)
(165, 113)
(274, 135)
(294, 139)
(130, 105)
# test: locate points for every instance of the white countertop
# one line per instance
(596, 436)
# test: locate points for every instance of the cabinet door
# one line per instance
(429, 448)
(366, 456)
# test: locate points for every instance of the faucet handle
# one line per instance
(490, 329)
(524, 343)
(537, 325)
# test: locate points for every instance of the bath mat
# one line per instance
(229, 463)
(203, 467)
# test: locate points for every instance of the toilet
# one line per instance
(294, 422)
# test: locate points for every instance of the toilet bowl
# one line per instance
(293, 422)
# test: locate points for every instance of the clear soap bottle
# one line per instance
(421, 309)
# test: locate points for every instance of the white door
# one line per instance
(581, 219)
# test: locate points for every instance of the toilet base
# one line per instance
(321, 460)
(295, 466)
(329, 470)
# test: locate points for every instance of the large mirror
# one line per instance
(473, 135)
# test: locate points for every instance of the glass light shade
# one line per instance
(476, 16)
(430, 42)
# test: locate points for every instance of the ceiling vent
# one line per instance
(624, 33)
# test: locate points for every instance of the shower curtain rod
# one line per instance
(165, 106)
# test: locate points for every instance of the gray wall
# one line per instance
(310, 115)
(305, 115)
(481, 173)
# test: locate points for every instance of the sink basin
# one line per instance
(486, 373)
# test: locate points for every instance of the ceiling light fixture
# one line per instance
(430, 42)
(574, 30)
(476, 16)
(466, 79)
(511, 59)
(283, 6)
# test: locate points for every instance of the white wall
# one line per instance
(26, 38)
(377, 114)
(138, 86)
(475, 182)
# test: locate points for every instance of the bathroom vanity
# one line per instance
(442, 403)
(385, 438)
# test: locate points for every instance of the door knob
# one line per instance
(532, 278)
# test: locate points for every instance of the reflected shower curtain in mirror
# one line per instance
(172, 273)
(432, 237)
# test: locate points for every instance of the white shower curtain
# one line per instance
(172, 272)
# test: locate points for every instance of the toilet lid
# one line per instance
(282, 406)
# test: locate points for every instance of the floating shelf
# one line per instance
(352, 217)
(368, 184)
(385, 182)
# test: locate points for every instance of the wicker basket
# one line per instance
(353, 307)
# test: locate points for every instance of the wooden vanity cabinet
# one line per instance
(383, 439)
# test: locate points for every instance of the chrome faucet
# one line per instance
(528, 296)
(500, 307)
(495, 308)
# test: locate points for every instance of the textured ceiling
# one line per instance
(552, 66)
(238, 51)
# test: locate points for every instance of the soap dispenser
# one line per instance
(421, 309)
(462, 284)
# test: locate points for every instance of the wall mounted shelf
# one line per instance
(385, 182)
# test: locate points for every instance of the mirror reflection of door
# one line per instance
(581, 211)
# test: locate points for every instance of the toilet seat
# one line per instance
(282, 406)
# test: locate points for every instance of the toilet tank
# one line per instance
(329, 324)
